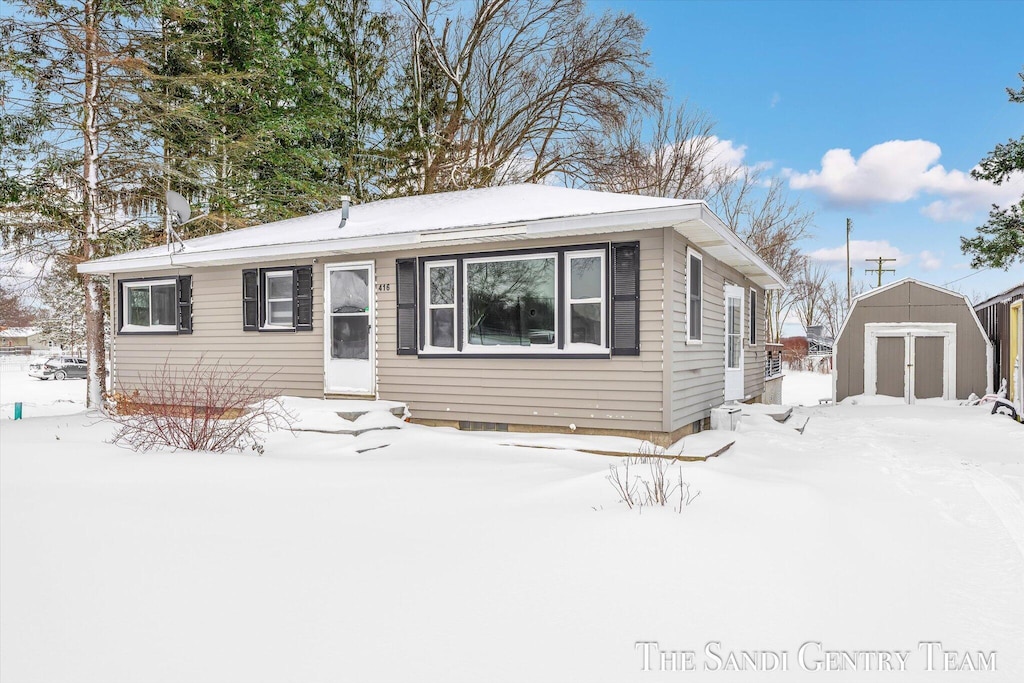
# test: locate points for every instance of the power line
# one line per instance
(977, 272)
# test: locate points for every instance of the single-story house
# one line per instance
(524, 307)
(913, 340)
(1002, 316)
(23, 340)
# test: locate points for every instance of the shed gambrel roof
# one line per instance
(898, 283)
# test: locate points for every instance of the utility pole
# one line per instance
(880, 260)
(849, 268)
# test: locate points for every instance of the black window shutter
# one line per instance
(250, 299)
(405, 296)
(753, 317)
(120, 305)
(185, 304)
(625, 300)
(303, 298)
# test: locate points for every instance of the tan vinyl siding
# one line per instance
(288, 362)
(654, 391)
(698, 370)
(754, 356)
(623, 392)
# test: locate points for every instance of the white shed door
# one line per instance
(733, 343)
(348, 329)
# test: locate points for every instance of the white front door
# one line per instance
(733, 343)
(348, 329)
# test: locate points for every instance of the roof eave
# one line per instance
(679, 216)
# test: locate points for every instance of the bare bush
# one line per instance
(626, 487)
(209, 407)
(656, 486)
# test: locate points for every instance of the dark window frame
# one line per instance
(560, 296)
(298, 299)
(752, 316)
(179, 306)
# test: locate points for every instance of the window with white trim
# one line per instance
(150, 306)
(279, 291)
(694, 297)
(510, 301)
(439, 285)
(585, 298)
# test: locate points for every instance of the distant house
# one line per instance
(1002, 316)
(23, 340)
(521, 307)
(913, 340)
(819, 342)
(813, 351)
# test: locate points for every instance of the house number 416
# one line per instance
(384, 287)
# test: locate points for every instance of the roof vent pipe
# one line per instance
(344, 212)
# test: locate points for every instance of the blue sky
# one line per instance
(788, 82)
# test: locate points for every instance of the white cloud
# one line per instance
(724, 154)
(929, 261)
(861, 250)
(900, 171)
(776, 98)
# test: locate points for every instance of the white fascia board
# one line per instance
(736, 242)
(574, 225)
(675, 216)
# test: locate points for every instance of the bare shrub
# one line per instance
(626, 487)
(208, 407)
(659, 489)
(656, 486)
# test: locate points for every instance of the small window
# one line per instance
(440, 288)
(150, 306)
(585, 274)
(280, 297)
(753, 317)
(695, 296)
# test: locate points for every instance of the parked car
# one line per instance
(59, 367)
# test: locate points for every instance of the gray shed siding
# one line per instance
(698, 370)
(661, 390)
(911, 302)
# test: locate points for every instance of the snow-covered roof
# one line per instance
(17, 332)
(467, 216)
(1012, 293)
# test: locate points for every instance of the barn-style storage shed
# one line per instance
(912, 340)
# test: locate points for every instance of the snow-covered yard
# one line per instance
(448, 556)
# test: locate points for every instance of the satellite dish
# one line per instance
(179, 208)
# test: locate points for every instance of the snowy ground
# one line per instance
(450, 557)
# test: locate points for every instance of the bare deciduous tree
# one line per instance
(810, 293)
(672, 154)
(508, 91)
